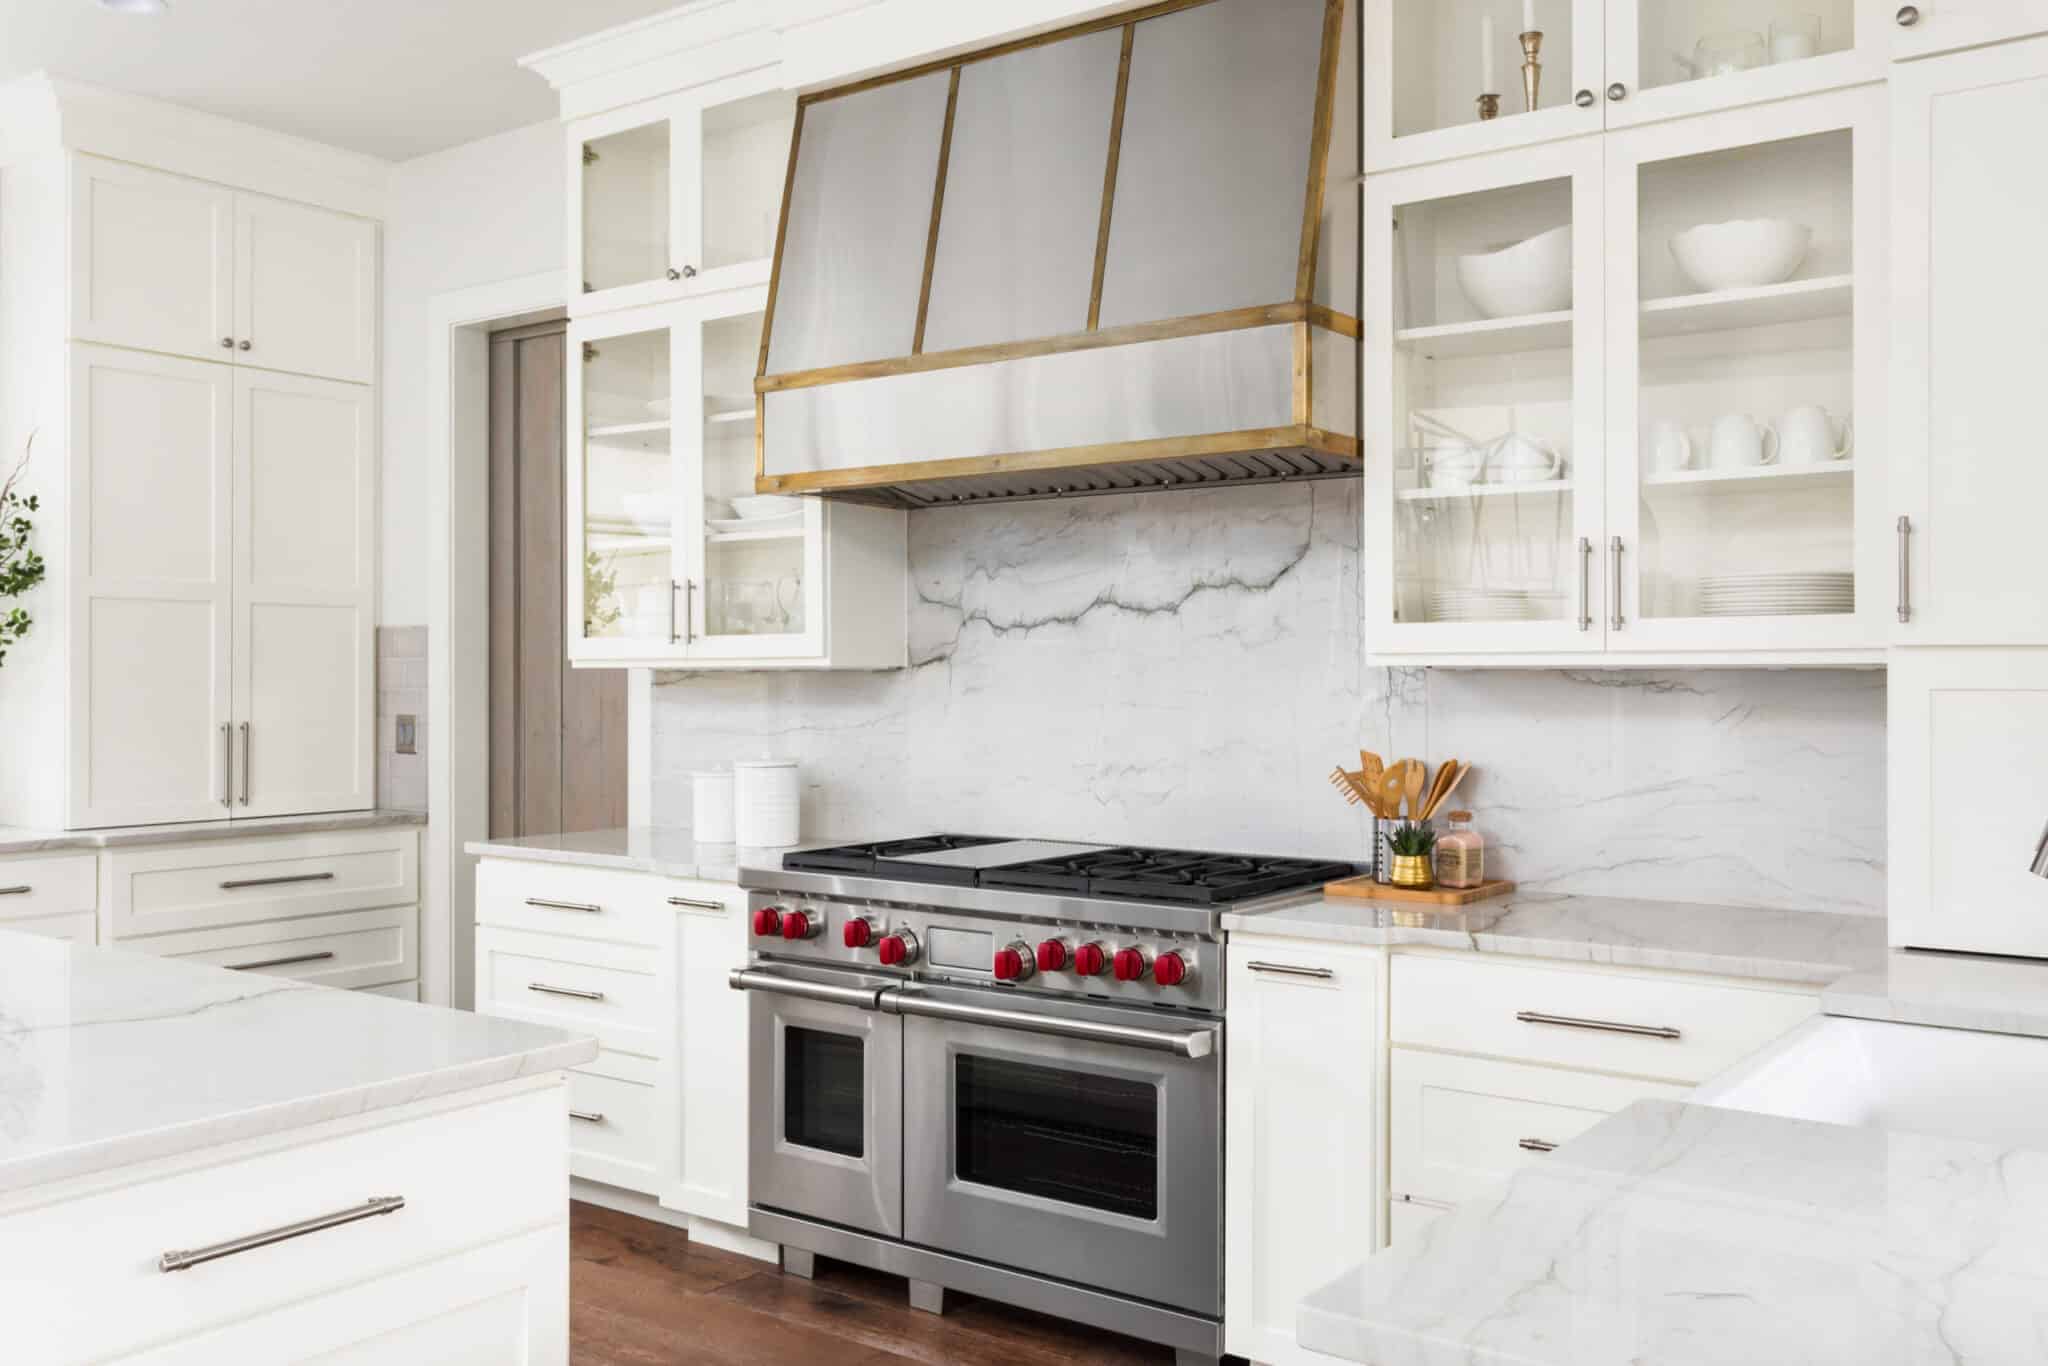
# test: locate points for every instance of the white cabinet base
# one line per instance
(710, 1232)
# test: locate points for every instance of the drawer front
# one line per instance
(615, 992)
(57, 885)
(612, 1131)
(355, 949)
(165, 890)
(580, 903)
(1643, 1024)
(1459, 1125)
(83, 1275)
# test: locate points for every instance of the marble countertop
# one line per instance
(109, 1057)
(16, 839)
(1953, 990)
(1681, 1234)
(1814, 947)
(666, 850)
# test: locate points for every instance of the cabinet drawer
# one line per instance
(615, 992)
(35, 887)
(1458, 1124)
(612, 1131)
(354, 949)
(82, 1270)
(581, 903)
(1648, 1024)
(163, 890)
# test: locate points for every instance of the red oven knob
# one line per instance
(1129, 965)
(1170, 970)
(1014, 962)
(898, 949)
(767, 922)
(1088, 960)
(798, 925)
(1052, 955)
(859, 932)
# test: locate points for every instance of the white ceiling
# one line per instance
(393, 78)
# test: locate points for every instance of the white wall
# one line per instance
(488, 210)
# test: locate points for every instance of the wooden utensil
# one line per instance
(1445, 772)
(1370, 766)
(1450, 787)
(1416, 771)
(1352, 785)
(1393, 784)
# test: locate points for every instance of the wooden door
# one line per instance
(305, 595)
(150, 622)
(558, 735)
(1969, 193)
(305, 289)
(150, 260)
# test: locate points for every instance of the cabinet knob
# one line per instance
(1584, 99)
(1908, 15)
(689, 272)
(673, 274)
(243, 344)
(1617, 92)
(228, 342)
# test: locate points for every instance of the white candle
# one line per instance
(1486, 86)
(1528, 16)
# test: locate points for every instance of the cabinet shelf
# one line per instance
(1471, 491)
(1785, 477)
(795, 533)
(722, 416)
(1724, 310)
(1490, 336)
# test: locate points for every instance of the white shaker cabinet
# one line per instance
(1969, 195)
(1301, 1182)
(1933, 26)
(305, 289)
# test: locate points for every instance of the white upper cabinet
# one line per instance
(162, 262)
(1969, 194)
(1594, 64)
(1934, 26)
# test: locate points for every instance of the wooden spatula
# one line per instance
(1393, 786)
(1417, 770)
(1464, 769)
(1445, 773)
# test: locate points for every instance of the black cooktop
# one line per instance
(1128, 872)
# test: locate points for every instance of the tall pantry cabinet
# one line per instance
(194, 361)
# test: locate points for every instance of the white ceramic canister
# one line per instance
(766, 798)
(711, 808)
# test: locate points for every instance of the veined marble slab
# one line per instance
(665, 850)
(1729, 941)
(1955, 991)
(109, 1057)
(20, 840)
(1683, 1235)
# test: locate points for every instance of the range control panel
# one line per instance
(1100, 960)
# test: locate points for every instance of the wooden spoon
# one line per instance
(1393, 784)
(1464, 769)
(1445, 772)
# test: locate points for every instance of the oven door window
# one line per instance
(824, 1091)
(1078, 1138)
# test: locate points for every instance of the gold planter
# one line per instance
(1413, 871)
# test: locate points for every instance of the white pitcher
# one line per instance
(1806, 436)
(1740, 442)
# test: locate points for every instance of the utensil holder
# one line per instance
(1383, 850)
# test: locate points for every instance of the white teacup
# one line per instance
(1740, 442)
(1806, 436)
(1670, 448)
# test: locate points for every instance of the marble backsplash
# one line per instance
(1185, 668)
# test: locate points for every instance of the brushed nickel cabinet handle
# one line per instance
(1617, 92)
(588, 1116)
(183, 1259)
(689, 610)
(227, 765)
(23, 890)
(544, 904)
(244, 344)
(227, 343)
(673, 274)
(1290, 970)
(1908, 15)
(1614, 608)
(580, 995)
(1535, 1145)
(1905, 569)
(236, 884)
(1601, 1026)
(695, 904)
(245, 763)
(689, 272)
(320, 957)
(1585, 583)
(1584, 99)
(673, 588)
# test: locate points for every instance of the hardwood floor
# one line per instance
(641, 1294)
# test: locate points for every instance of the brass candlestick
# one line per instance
(1489, 107)
(1532, 66)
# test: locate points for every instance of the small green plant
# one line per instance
(21, 568)
(600, 595)
(1410, 840)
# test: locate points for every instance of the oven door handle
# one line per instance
(753, 979)
(1196, 1043)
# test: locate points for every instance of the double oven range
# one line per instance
(996, 1066)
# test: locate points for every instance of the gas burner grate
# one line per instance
(866, 858)
(1167, 875)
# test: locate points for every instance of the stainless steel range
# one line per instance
(996, 1066)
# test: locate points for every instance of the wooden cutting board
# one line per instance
(1365, 889)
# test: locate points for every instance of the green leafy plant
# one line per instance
(600, 595)
(1410, 840)
(21, 568)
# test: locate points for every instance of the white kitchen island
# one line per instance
(198, 1165)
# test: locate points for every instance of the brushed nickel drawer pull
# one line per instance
(320, 957)
(1604, 1026)
(546, 905)
(238, 883)
(696, 905)
(565, 991)
(588, 1116)
(245, 728)
(369, 1209)
(1535, 1145)
(1289, 970)
(23, 890)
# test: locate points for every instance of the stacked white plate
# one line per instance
(1480, 604)
(1777, 595)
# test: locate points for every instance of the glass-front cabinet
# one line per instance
(1614, 386)
(1448, 78)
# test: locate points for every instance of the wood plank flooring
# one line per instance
(641, 1294)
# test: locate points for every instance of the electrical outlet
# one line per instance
(408, 730)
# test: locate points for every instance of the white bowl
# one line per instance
(1532, 276)
(648, 512)
(1742, 253)
(755, 506)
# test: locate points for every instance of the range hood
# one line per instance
(1099, 260)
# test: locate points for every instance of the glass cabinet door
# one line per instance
(1740, 357)
(1483, 455)
(733, 204)
(1672, 57)
(623, 175)
(622, 489)
(1447, 78)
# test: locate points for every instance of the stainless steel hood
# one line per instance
(1095, 261)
